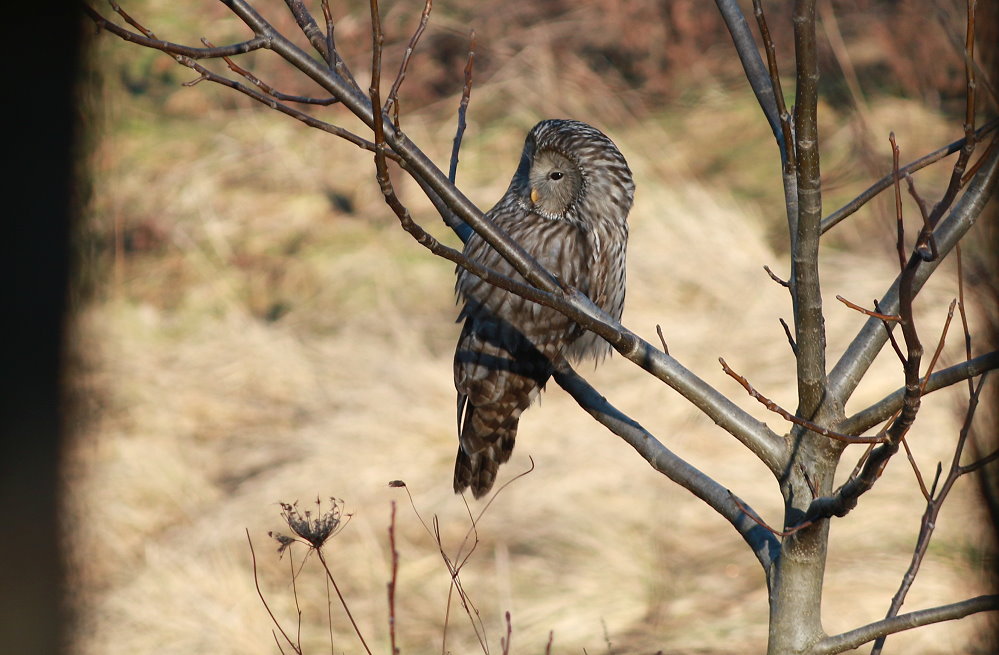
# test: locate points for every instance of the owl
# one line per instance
(567, 205)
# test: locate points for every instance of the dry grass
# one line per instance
(250, 342)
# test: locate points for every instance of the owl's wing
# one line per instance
(498, 373)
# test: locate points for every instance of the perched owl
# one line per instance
(567, 205)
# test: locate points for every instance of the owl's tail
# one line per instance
(486, 440)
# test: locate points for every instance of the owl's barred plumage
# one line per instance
(567, 206)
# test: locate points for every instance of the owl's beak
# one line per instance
(535, 196)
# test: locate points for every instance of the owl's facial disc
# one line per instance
(555, 184)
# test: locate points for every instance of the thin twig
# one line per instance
(925, 244)
(788, 416)
(787, 149)
(268, 89)
(763, 524)
(466, 94)
(979, 463)
(872, 191)
(662, 339)
(773, 276)
(753, 66)
(891, 335)
(973, 168)
(343, 601)
(256, 43)
(899, 225)
(332, 58)
(392, 581)
(392, 103)
(964, 314)
(940, 345)
(915, 470)
(854, 306)
(189, 60)
(790, 337)
(928, 522)
(298, 606)
(505, 642)
(256, 583)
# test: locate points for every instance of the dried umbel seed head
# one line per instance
(313, 530)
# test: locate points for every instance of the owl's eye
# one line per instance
(555, 175)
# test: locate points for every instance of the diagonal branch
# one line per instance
(752, 64)
(256, 43)
(765, 546)
(872, 191)
(848, 640)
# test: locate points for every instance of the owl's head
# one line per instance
(566, 164)
(555, 184)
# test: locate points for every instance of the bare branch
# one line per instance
(856, 307)
(662, 339)
(940, 345)
(256, 582)
(466, 94)
(267, 88)
(773, 276)
(343, 601)
(205, 74)
(256, 43)
(275, 104)
(891, 335)
(899, 225)
(753, 66)
(763, 543)
(309, 27)
(392, 104)
(847, 640)
(393, 581)
(915, 469)
(788, 416)
(884, 408)
(924, 210)
(766, 526)
(872, 191)
(790, 337)
(786, 133)
(979, 463)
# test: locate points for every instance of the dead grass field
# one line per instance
(248, 340)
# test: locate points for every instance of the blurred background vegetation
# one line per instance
(252, 327)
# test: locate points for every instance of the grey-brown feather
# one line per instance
(507, 344)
